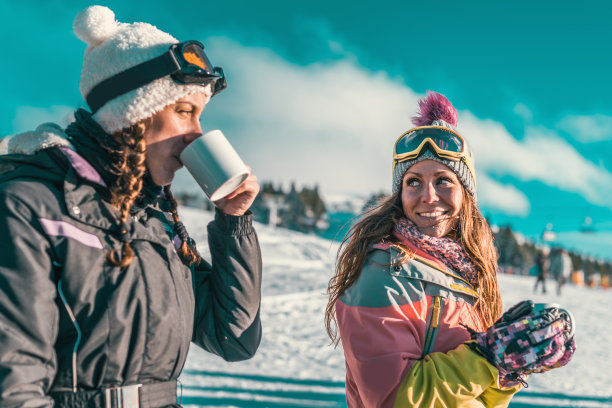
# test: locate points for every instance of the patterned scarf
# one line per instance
(448, 251)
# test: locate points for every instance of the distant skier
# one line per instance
(415, 295)
(561, 268)
(101, 288)
(542, 262)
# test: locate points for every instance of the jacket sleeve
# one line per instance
(28, 312)
(228, 295)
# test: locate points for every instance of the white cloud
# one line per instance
(334, 124)
(587, 128)
(507, 198)
(541, 156)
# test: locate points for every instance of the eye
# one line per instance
(184, 109)
(413, 182)
(445, 181)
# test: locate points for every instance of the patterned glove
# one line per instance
(528, 338)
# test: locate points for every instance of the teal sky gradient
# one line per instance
(534, 77)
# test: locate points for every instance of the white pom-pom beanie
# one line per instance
(113, 47)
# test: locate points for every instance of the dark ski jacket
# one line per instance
(70, 320)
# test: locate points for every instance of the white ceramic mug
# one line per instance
(569, 317)
(214, 164)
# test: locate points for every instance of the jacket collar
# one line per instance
(396, 256)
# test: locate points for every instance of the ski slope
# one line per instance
(296, 366)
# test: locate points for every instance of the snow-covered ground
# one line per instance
(296, 366)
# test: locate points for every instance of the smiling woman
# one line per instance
(89, 228)
(415, 296)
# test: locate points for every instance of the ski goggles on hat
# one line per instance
(444, 142)
(185, 62)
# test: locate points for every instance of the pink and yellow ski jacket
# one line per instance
(402, 330)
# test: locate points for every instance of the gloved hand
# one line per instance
(528, 338)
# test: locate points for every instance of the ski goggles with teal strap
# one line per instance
(185, 62)
(444, 142)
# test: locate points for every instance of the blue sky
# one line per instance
(319, 91)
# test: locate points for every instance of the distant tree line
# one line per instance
(302, 210)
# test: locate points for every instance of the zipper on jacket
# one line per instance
(78, 340)
(432, 330)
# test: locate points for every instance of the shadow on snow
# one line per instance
(278, 392)
(296, 392)
(554, 399)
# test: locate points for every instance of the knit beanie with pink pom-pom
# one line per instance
(436, 110)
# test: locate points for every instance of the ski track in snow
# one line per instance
(296, 366)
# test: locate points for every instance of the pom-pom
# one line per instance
(94, 24)
(435, 106)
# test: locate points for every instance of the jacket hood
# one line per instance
(44, 136)
(25, 155)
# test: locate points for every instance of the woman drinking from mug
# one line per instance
(102, 289)
(415, 294)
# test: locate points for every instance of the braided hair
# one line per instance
(187, 251)
(129, 169)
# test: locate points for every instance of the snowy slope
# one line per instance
(295, 365)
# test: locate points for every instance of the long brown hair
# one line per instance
(130, 169)
(377, 224)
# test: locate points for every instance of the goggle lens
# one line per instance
(194, 54)
(444, 140)
(196, 68)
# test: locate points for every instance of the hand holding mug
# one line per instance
(239, 201)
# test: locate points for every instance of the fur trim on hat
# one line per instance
(113, 47)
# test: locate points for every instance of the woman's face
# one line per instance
(171, 131)
(432, 196)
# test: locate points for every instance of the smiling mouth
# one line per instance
(432, 215)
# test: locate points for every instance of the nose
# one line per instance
(194, 132)
(198, 127)
(429, 193)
